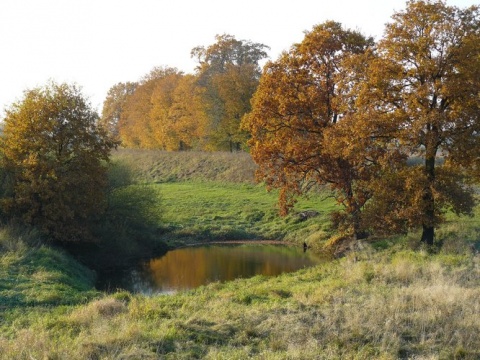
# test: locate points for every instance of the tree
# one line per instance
(160, 123)
(296, 113)
(134, 123)
(227, 51)
(114, 105)
(425, 84)
(54, 155)
(229, 72)
(188, 115)
(144, 118)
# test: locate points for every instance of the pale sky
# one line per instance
(98, 43)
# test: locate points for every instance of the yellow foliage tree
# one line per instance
(228, 72)
(113, 106)
(54, 156)
(160, 123)
(134, 123)
(188, 116)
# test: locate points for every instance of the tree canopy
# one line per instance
(114, 104)
(228, 72)
(422, 85)
(54, 156)
(171, 110)
(295, 108)
(338, 109)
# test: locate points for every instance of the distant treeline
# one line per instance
(170, 110)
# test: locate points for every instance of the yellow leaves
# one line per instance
(52, 151)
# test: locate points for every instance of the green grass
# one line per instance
(39, 275)
(203, 211)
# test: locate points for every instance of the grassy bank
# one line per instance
(206, 211)
(388, 300)
(379, 306)
(213, 196)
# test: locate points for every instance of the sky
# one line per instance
(98, 43)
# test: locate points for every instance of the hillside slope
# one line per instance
(153, 166)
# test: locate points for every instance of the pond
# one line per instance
(190, 267)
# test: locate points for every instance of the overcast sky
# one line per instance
(98, 43)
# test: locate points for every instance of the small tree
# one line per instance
(54, 156)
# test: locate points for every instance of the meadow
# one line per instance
(388, 299)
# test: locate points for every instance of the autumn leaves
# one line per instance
(341, 110)
(173, 111)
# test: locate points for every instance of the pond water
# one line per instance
(190, 267)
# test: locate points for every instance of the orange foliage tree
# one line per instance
(295, 115)
(160, 123)
(144, 115)
(423, 87)
(134, 123)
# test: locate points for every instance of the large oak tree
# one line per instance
(54, 157)
(423, 91)
(296, 112)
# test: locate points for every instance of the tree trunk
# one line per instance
(428, 225)
(428, 234)
(354, 211)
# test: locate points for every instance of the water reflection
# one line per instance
(191, 267)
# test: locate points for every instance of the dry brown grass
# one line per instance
(162, 166)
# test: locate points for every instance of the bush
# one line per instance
(129, 225)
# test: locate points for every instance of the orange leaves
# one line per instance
(295, 113)
(338, 111)
(414, 89)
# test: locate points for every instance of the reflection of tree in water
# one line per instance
(192, 267)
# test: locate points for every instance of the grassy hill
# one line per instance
(153, 166)
(389, 299)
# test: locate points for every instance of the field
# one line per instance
(389, 299)
(202, 211)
